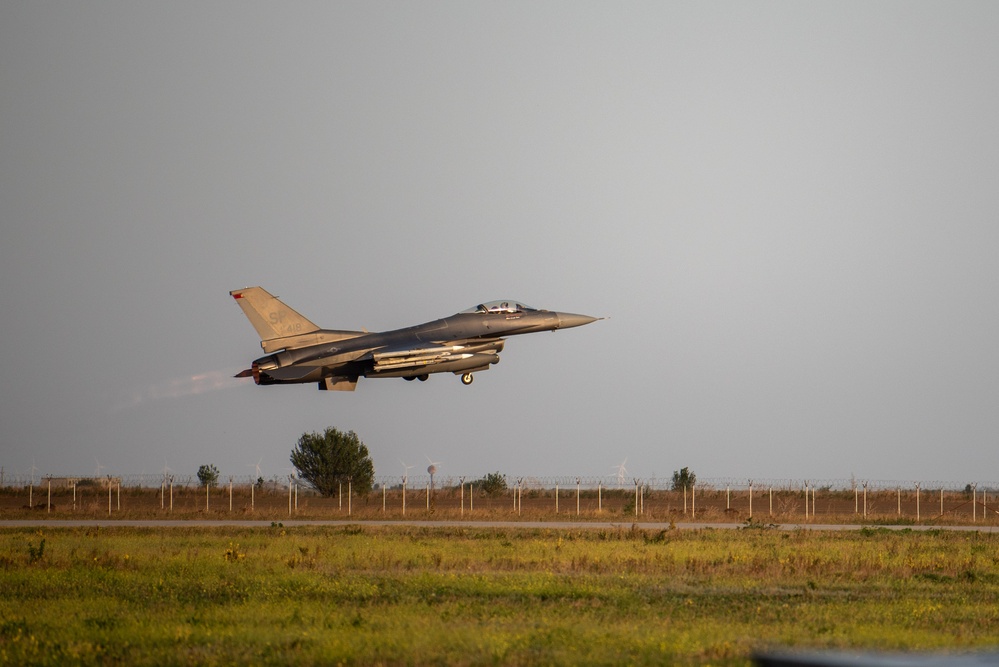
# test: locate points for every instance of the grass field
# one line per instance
(378, 595)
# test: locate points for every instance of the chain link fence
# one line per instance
(526, 482)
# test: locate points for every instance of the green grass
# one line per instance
(373, 595)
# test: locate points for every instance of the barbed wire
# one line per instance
(526, 482)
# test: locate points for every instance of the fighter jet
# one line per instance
(466, 342)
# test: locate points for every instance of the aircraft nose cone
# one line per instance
(569, 320)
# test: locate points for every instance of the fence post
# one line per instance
(974, 502)
(750, 499)
(636, 496)
(577, 495)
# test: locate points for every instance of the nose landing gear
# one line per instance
(467, 378)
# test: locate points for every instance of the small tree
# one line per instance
(327, 460)
(208, 475)
(683, 479)
(492, 484)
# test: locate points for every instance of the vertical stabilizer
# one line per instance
(269, 315)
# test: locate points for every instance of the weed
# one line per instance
(659, 538)
(35, 555)
(13, 629)
(232, 554)
(753, 524)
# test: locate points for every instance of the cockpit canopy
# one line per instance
(501, 306)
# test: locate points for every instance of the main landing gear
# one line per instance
(466, 378)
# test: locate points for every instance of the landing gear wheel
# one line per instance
(409, 379)
(467, 378)
(423, 378)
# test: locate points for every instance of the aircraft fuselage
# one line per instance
(462, 343)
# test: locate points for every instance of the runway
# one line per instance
(506, 525)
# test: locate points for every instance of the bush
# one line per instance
(208, 475)
(333, 458)
(683, 479)
(493, 484)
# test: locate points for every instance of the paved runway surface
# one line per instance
(558, 525)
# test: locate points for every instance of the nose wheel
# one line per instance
(467, 378)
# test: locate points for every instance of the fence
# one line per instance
(589, 483)
(448, 496)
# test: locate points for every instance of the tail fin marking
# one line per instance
(270, 316)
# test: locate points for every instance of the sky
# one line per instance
(788, 210)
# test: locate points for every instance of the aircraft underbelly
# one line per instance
(389, 359)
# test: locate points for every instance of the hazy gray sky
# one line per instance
(789, 210)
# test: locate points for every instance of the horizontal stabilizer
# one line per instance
(291, 373)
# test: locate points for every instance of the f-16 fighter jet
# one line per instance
(463, 343)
